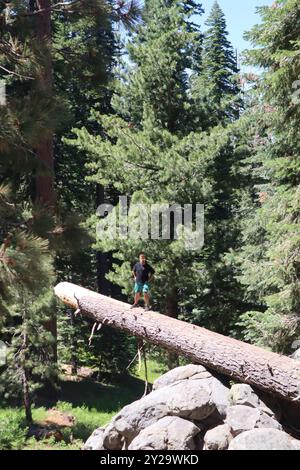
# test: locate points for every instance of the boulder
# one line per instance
(189, 402)
(95, 441)
(296, 355)
(220, 393)
(59, 418)
(181, 373)
(241, 418)
(195, 397)
(169, 433)
(218, 438)
(242, 394)
(113, 438)
(264, 439)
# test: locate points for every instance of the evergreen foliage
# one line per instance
(154, 160)
(269, 257)
(215, 90)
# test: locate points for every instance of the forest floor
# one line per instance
(89, 403)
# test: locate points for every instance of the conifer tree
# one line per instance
(26, 303)
(37, 108)
(215, 87)
(269, 259)
(144, 157)
(160, 53)
(83, 76)
(152, 98)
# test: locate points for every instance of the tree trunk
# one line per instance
(45, 182)
(26, 397)
(102, 258)
(243, 362)
(171, 310)
(74, 359)
(45, 178)
(25, 380)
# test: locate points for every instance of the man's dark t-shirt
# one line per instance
(142, 272)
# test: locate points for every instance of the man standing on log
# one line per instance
(143, 274)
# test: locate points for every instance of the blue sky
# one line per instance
(240, 16)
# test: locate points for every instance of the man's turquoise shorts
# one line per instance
(141, 288)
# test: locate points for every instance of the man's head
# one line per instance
(143, 258)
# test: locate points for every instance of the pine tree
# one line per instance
(51, 55)
(26, 303)
(160, 54)
(83, 76)
(216, 104)
(269, 258)
(215, 87)
(144, 157)
(28, 56)
(151, 101)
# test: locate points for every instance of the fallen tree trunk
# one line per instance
(270, 372)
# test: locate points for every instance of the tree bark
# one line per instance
(171, 310)
(25, 380)
(102, 258)
(45, 182)
(270, 372)
(45, 177)
(26, 397)
(74, 358)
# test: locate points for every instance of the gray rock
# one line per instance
(181, 373)
(241, 418)
(218, 438)
(264, 439)
(95, 441)
(220, 394)
(296, 355)
(242, 394)
(194, 399)
(169, 433)
(113, 439)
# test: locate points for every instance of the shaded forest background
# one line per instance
(108, 98)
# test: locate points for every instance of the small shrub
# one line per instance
(13, 431)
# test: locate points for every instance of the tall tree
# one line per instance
(269, 258)
(215, 86)
(83, 77)
(152, 100)
(160, 54)
(45, 154)
(154, 161)
(26, 302)
(29, 58)
(215, 107)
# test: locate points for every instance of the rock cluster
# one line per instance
(190, 409)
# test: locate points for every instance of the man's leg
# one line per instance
(138, 288)
(146, 296)
(147, 299)
(137, 298)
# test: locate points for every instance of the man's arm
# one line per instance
(134, 272)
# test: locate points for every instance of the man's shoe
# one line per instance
(134, 306)
(147, 308)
